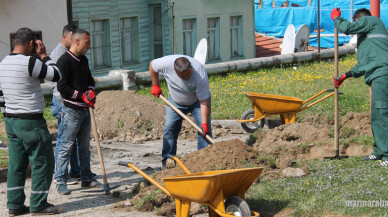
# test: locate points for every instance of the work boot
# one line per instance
(170, 163)
(90, 184)
(382, 163)
(49, 210)
(371, 157)
(62, 189)
(21, 211)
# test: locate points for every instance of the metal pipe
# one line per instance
(319, 31)
(69, 5)
(375, 7)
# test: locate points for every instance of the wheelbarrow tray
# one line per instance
(204, 186)
(275, 104)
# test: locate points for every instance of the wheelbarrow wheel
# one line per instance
(251, 127)
(237, 206)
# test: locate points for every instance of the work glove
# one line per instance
(156, 91)
(89, 97)
(336, 12)
(205, 129)
(337, 81)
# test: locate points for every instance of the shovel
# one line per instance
(336, 116)
(106, 188)
(186, 118)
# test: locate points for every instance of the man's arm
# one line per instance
(205, 110)
(155, 90)
(357, 27)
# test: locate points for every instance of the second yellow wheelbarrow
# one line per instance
(265, 105)
(222, 191)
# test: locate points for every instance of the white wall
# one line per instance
(48, 16)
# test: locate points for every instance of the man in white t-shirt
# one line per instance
(188, 87)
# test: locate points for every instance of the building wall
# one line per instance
(84, 11)
(48, 16)
(203, 9)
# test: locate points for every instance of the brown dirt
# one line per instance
(126, 116)
(285, 146)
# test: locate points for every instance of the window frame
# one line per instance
(106, 44)
(217, 40)
(193, 38)
(135, 45)
(240, 36)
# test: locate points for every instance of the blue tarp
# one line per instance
(274, 21)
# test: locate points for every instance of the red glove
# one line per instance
(89, 97)
(156, 91)
(337, 81)
(336, 12)
(205, 129)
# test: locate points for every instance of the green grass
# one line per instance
(228, 101)
(325, 190)
(3, 158)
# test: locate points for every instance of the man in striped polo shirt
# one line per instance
(29, 138)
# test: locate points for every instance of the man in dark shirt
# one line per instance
(77, 91)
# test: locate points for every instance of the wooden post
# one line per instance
(309, 2)
(260, 4)
(273, 4)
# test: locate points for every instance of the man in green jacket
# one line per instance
(372, 57)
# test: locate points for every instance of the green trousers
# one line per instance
(379, 117)
(29, 142)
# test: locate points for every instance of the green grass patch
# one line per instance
(147, 198)
(4, 158)
(363, 140)
(329, 188)
(347, 132)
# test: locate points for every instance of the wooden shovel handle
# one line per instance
(94, 127)
(186, 118)
(336, 115)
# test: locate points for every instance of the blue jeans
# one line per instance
(56, 111)
(75, 125)
(173, 124)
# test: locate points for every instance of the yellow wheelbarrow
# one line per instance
(222, 191)
(265, 105)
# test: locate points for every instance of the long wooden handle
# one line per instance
(336, 116)
(94, 127)
(186, 118)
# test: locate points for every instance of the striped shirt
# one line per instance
(20, 77)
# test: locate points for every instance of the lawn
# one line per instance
(332, 187)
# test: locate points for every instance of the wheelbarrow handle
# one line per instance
(122, 163)
(179, 162)
(330, 90)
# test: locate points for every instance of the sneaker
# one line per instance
(62, 189)
(73, 181)
(371, 157)
(90, 184)
(170, 163)
(49, 210)
(21, 211)
(382, 163)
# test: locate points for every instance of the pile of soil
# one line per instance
(126, 116)
(285, 146)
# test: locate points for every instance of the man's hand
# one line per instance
(337, 81)
(40, 49)
(156, 91)
(336, 12)
(89, 97)
(205, 129)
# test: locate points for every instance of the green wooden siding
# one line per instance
(85, 11)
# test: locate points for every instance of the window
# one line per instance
(101, 47)
(129, 40)
(189, 36)
(236, 36)
(76, 23)
(156, 17)
(213, 38)
(38, 35)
